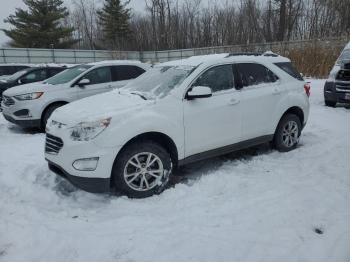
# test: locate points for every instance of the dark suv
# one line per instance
(27, 76)
(337, 87)
(7, 70)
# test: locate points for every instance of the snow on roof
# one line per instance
(197, 60)
(115, 62)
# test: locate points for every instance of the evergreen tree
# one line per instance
(40, 26)
(114, 18)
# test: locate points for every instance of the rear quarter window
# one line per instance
(126, 72)
(290, 69)
(251, 74)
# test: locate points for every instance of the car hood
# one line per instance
(28, 88)
(112, 104)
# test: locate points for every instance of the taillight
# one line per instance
(307, 89)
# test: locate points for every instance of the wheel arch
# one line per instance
(157, 137)
(295, 110)
(60, 102)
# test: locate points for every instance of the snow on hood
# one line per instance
(28, 88)
(98, 107)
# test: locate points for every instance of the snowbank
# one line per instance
(255, 205)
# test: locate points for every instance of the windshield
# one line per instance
(159, 81)
(17, 75)
(344, 56)
(67, 75)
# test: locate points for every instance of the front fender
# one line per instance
(123, 129)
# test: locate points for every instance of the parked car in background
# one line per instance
(337, 87)
(177, 113)
(31, 105)
(9, 69)
(29, 75)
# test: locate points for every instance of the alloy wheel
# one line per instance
(143, 171)
(290, 134)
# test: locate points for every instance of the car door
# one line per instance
(100, 82)
(260, 95)
(213, 122)
(122, 74)
(34, 76)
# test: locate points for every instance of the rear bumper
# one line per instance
(332, 92)
(23, 123)
(92, 185)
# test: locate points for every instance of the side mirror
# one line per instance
(83, 82)
(199, 92)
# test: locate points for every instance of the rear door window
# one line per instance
(289, 68)
(55, 71)
(126, 72)
(251, 74)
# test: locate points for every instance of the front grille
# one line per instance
(8, 101)
(53, 144)
(347, 66)
(342, 86)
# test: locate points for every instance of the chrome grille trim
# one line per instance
(53, 144)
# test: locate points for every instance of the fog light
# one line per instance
(86, 164)
(24, 113)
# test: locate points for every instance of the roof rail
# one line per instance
(270, 54)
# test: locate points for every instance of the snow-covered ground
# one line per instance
(255, 205)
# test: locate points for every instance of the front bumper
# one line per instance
(61, 163)
(336, 91)
(92, 185)
(23, 123)
(23, 113)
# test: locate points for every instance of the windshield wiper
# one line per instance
(140, 95)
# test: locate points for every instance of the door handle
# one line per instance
(234, 101)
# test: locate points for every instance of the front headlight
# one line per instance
(86, 131)
(30, 96)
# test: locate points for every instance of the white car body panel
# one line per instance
(195, 126)
(65, 93)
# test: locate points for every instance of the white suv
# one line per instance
(177, 113)
(32, 104)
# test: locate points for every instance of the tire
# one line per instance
(287, 133)
(48, 112)
(330, 103)
(136, 180)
